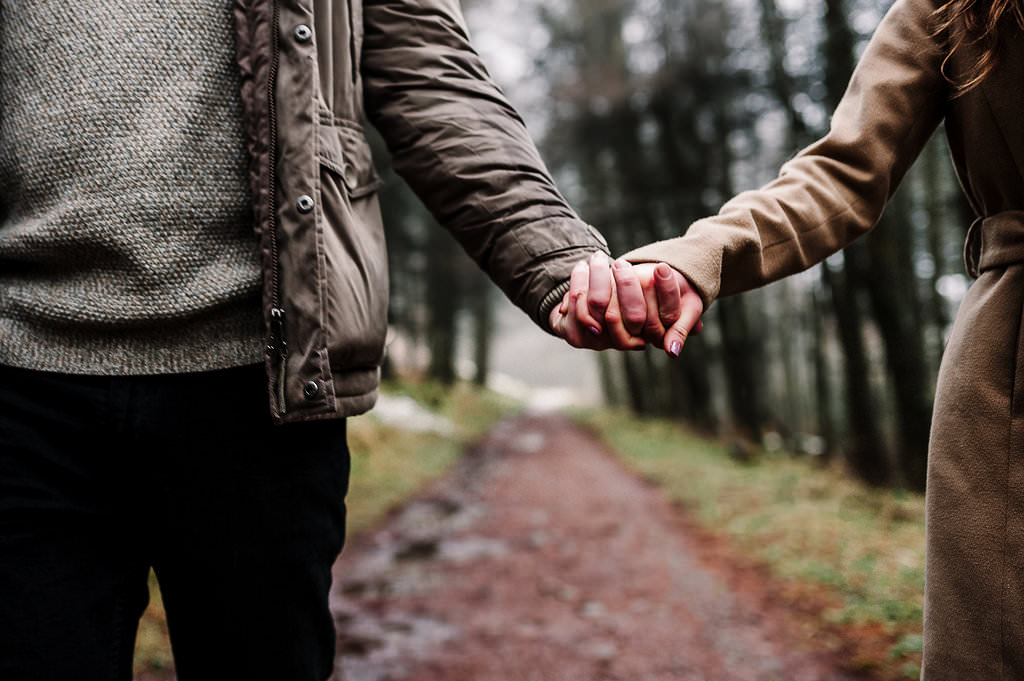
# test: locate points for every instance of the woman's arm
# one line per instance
(835, 190)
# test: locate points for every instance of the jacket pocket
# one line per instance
(344, 150)
(354, 255)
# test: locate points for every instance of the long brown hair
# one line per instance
(975, 22)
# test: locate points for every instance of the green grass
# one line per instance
(388, 466)
(808, 523)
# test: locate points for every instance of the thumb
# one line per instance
(688, 324)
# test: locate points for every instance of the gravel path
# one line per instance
(541, 559)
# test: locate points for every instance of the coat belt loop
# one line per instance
(972, 249)
(997, 241)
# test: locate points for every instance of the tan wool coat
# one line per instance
(833, 192)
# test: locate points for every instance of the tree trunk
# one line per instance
(443, 301)
(743, 372)
(483, 329)
(865, 449)
(892, 288)
(822, 374)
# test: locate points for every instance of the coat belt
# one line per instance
(995, 241)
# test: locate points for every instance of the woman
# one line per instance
(961, 62)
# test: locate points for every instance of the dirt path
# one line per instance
(542, 559)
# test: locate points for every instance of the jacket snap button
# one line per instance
(305, 203)
(311, 390)
(303, 33)
(351, 181)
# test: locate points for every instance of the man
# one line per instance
(193, 297)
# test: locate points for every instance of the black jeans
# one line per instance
(102, 478)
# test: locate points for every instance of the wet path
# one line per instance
(541, 559)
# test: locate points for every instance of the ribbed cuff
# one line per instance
(548, 303)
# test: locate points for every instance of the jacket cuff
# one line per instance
(558, 249)
(548, 303)
(689, 259)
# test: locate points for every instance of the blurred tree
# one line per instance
(892, 288)
(443, 282)
(481, 307)
(865, 448)
(822, 389)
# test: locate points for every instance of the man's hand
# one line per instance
(592, 287)
(626, 306)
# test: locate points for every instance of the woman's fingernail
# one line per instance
(675, 348)
(596, 331)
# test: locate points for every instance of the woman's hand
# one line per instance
(625, 307)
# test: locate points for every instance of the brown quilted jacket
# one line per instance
(310, 71)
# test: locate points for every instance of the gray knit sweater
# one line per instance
(126, 244)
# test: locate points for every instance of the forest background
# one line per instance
(651, 114)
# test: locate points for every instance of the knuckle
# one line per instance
(654, 324)
(636, 318)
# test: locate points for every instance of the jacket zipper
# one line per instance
(353, 53)
(278, 339)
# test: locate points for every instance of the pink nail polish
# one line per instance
(675, 348)
(596, 331)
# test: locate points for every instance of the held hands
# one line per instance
(625, 307)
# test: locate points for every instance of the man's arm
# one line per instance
(466, 153)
